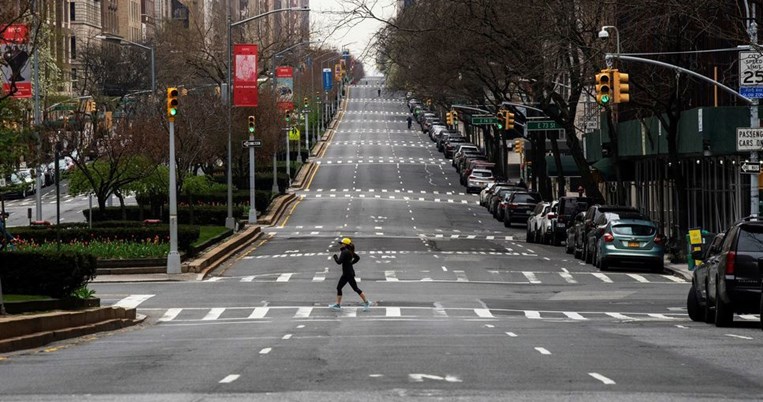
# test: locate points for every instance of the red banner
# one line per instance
(15, 33)
(285, 87)
(245, 75)
(16, 70)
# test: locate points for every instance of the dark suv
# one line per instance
(519, 206)
(732, 282)
(567, 208)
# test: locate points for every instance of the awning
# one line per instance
(606, 167)
(569, 168)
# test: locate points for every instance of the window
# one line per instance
(73, 47)
(750, 239)
(74, 77)
(72, 11)
(634, 230)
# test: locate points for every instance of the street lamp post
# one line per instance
(230, 223)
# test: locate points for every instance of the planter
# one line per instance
(52, 304)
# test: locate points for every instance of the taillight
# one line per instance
(730, 262)
(608, 238)
(512, 206)
(551, 216)
(658, 239)
(471, 177)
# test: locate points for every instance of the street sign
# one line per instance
(750, 168)
(543, 125)
(751, 74)
(481, 120)
(251, 143)
(749, 139)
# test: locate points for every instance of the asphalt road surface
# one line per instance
(462, 307)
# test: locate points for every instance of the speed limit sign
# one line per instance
(751, 74)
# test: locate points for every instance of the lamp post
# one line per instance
(230, 223)
(121, 41)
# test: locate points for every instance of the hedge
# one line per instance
(202, 215)
(187, 234)
(54, 274)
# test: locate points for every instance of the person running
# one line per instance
(410, 120)
(347, 258)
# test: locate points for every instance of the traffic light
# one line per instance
(519, 146)
(501, 118)
(306, 102)
(449, 118)
(621, 87)
(172, 103)
(509, 117)
(604, 87)
(288, 117)
(454, 116)
(251, 124)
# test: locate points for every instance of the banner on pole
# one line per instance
(327, 79)
(245, 75)
(16, 69)
(285, 87)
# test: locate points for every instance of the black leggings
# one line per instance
(345, 280)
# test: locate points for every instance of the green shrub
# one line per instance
(202, 215)
(54, 274)
(187, 234)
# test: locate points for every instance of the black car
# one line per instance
(574, 234)
(567, 208)
(519, 206)
(733, 274)
(696, 302)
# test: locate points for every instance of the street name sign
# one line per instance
(750, 168)
(751, 74)
(481, 120)
(543, 125)
(749, 139)
(251, 143)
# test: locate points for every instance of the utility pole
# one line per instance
(754, 123)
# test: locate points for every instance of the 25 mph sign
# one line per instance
(749, 139)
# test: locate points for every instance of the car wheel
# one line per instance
(603, 264)
(659, 267)
(692, 305)
(724, 315)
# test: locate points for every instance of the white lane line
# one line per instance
(171, 314)
(445, 269)
(619, 316)
(349, 311)
(213, 314)
(603, 277)
(601, 378)
(574, 316)
(567, 277)
(638, 278)
(286, 337)
(674, 278)
(132, 301)
(461, 276)
(483, 313)
(300, 326)
(390, 276)
(439, 311)
(247, 278)
(229, 379)
(531, 277)
(319, 277)
(393, 312)
(511, 334)
(738, 336)
(546, 258)
(265, 351)
(543, 351)
(535, 315)
(751, 317)
(284, 277)
(259, 312)
(660, 316)
(303, 312)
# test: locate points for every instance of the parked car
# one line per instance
(548, 222)
(435, 129)
(468, 157)
(574, 232)
(567, 209)
(474, 163)
(503, 204)
(592, 213)
(488, 191)
(534, 219)
(450, 145)
(519, 206)
(630, 240)
(496, 197)
(733, 282)
(461, 149)
(598, 228)
(444, 135)
(696, 302)
(478, 179)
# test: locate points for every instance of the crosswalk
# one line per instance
(320, 312)
(460, 276)
(385, 160)
(423, 236)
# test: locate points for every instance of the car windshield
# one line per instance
(526, 198)
(482, 173)
(633, 230)
(751, 238)
(573, 205)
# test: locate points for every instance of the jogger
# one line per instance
(346, 259)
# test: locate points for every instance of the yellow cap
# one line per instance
(346, 240)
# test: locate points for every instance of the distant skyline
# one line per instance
(359, 38)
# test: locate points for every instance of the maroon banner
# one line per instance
(285, 87)
(16, 71)
(245, 75)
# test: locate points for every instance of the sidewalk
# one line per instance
(680, 270)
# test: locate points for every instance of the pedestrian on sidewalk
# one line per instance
(378, 92)
(347, 258)
(6, 239)
(410, 120)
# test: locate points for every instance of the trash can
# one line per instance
(698, 240)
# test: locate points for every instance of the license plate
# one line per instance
(633, 244)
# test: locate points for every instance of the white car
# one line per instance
(547, 222)
(534, 221)
(478, 179)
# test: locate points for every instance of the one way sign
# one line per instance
(750, 168)
(251, 143)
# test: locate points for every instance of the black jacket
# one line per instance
(347, 258)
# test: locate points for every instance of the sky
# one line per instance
(324, 15)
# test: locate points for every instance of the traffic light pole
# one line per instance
(252, 205)
(307, 133)
(173, 258)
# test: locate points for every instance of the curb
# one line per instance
(28, 332)
(304, 173)
(279, 206)
(220, 253)
(680, 271)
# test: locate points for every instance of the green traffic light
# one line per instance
(173, 111)
(604, 99)
(251, 129)
(500, 126)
